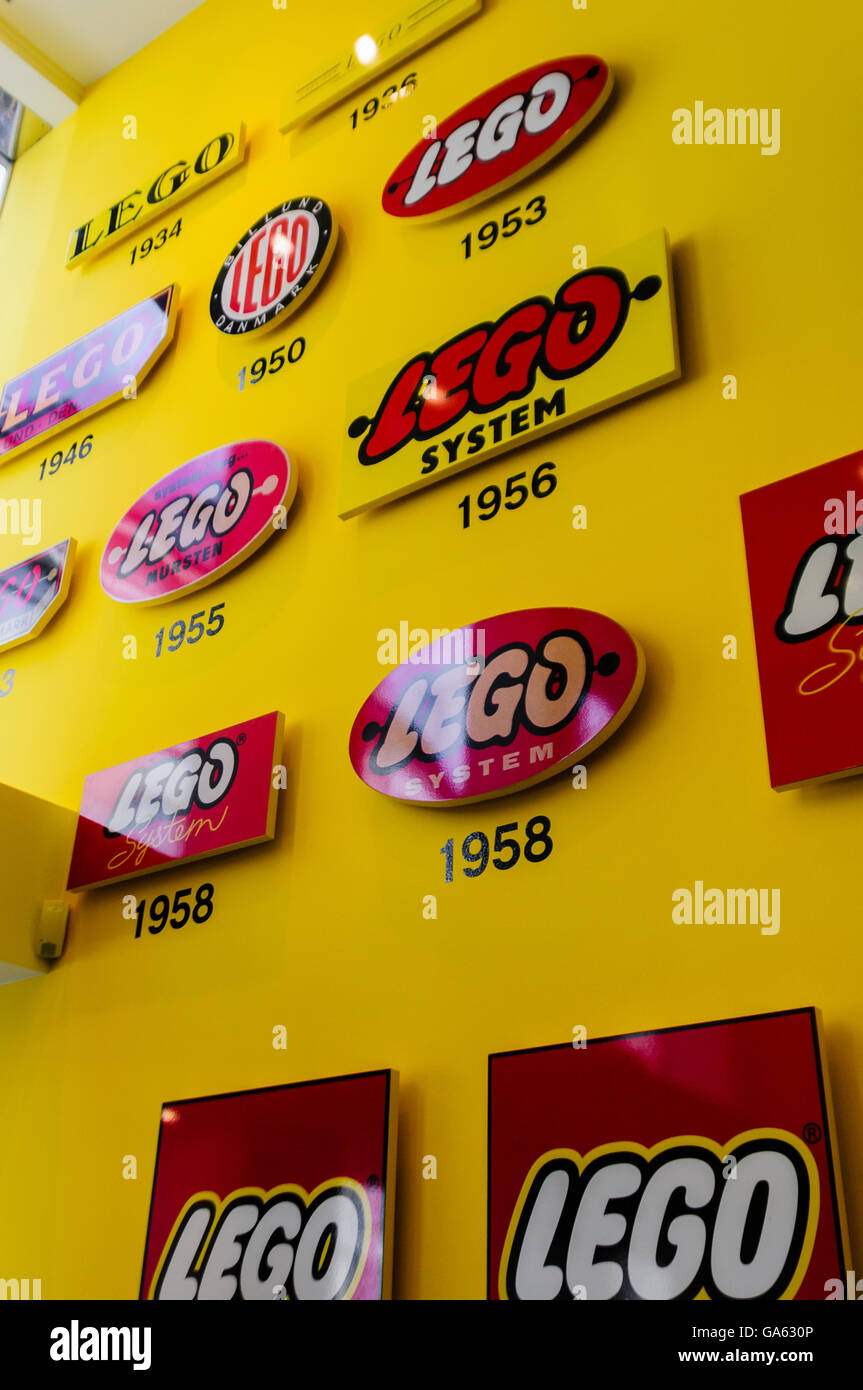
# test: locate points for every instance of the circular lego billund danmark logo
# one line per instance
(274, 266)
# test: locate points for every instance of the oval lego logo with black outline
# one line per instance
(275, 266)
(499, 138)
(495, 706)
(199, 522)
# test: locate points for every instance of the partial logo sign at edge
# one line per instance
(32, 592)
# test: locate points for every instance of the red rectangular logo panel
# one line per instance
(686, 1163)
(284, 1193)
(196, 799)
(804, 552)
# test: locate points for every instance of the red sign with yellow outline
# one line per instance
(499, 138)
(685, 1163)
(284, 1193)
(804, 551)
(196, 799)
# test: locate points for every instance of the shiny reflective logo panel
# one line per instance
(684, 1163)
(274, 266)
(495, 706)
(284, 1194)
(31, 593)
(88, 375)
(499, 138)
(581, 344)
(199, 522)
(196, 799)
(804, 552)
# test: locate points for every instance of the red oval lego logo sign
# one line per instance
(499, 137)
(274, 266)
(198, 522)
(492, 707)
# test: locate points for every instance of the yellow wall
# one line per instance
(33, 863)
(322, 931)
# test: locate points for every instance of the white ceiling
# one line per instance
(86, 38)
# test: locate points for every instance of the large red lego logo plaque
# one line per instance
(686, 1163)
(804, 553)
(284, 1193)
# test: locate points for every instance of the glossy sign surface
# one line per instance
(86, 376)
(404, 33)
(497, 705)
(712, 1144)
(158, 194)
(31, 593)
(499, 138)
(582, 343)
(199, 798)
(198, 522)
(805, 559)
(275, 266)
(280, 1194)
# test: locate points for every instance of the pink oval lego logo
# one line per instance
(495, 706)
(198, 522)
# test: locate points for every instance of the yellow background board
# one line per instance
(644, 355)
(158, 192)
(33, 871)
(323, 929)
(396, 37)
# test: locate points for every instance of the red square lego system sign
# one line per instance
(282, 1193)
(805, 558)
(203, 797)
(686, 1163)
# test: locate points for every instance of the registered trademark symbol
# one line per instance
(373, 1180)
(241, 738)
(812, 1133)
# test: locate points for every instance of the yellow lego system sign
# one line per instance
(606, 334)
